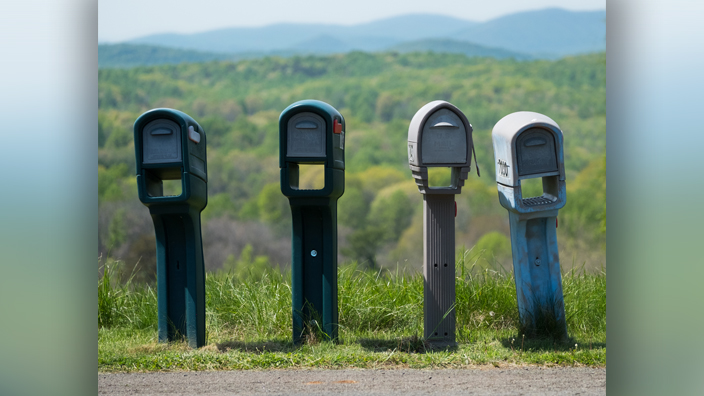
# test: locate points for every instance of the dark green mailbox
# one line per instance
(313, 132)
(170, 145)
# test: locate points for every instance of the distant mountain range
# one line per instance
(548, 33)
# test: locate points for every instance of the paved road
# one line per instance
(407, 382)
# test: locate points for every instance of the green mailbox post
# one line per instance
(313, 132)
(170, 145)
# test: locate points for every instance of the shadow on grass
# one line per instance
(412, 344)
(258, 347)
(547, 344)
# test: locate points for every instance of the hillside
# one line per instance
(447, 46)
(133, 55)
(380, 213)
(130, 55)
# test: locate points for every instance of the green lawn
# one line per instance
(381, 322)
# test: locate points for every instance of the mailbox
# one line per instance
(313, 132)
(170, 145)
(529, 145)
(439, 136)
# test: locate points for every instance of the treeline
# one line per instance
(380, 214)
(131, 55)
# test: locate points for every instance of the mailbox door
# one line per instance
(443, 139)
(306, 136)
(535, 152)
(161, 142)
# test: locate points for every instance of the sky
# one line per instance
(120, 20)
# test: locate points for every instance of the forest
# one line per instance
(247, 223)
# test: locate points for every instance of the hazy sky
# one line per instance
(120, 20)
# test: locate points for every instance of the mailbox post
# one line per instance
(529, 145)
(313, 132)
(439, 136)
(170, 145)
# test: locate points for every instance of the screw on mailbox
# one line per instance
(439, 136)
(529, 145)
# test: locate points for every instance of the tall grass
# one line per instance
(374, 301)
(373, 304)
(258, 307)
(128, 304)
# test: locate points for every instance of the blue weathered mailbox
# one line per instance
(528, 145)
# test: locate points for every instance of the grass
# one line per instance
(381, 324)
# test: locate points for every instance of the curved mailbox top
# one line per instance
(313, 132)
(527, 145)
(168, 138)
(440, 135)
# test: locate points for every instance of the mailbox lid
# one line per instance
(535, 152)
(443, 139)
(306, 136)
(161, 142)
(439, 134)
(506, 135)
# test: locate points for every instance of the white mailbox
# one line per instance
(527, 145)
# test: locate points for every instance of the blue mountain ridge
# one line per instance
(282, 36)
(549, 33)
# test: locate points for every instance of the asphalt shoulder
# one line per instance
(407, 382)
